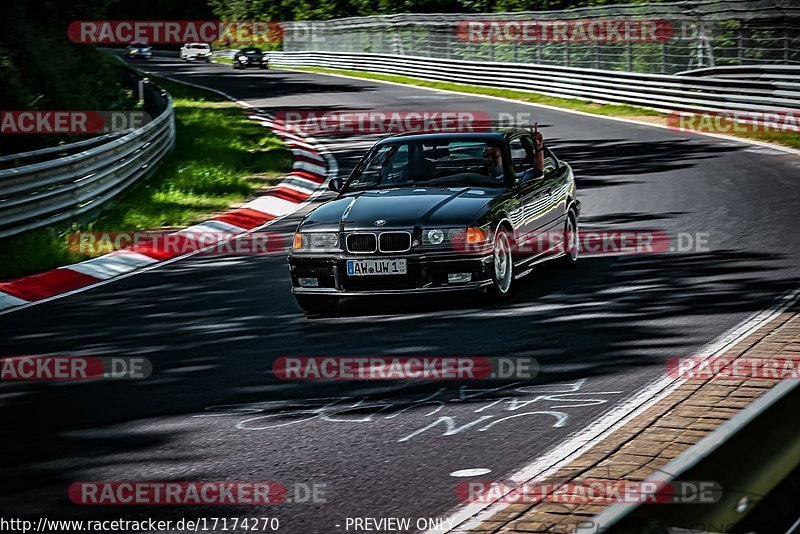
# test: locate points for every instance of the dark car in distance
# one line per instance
(138, 50)
(250, 57)
(433, 213)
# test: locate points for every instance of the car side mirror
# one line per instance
(335, 184)
(532, 175)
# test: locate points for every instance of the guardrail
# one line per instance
(754, 457)
(656, 91)
(789, 74)
(39, 191)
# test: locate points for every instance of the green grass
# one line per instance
(789, 139)
(221, 158)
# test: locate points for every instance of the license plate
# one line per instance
(375, 267)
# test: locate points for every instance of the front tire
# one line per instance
(571, 239)
(502, 265)
(317, 304)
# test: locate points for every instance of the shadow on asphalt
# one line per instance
(606, 162)
(214, 346)
(262, 83)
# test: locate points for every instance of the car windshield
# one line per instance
(440, 162)
(199, 46)
(251, 51)
(139, 45)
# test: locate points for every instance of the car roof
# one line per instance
(501, 134)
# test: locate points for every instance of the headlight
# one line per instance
(316, 241)
(439, 236)
(434, 237)
(243, 59)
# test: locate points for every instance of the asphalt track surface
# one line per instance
(212, 326)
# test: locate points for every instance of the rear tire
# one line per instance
(317, 304)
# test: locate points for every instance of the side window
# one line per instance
(550, 163)
(522, 154)
(518, 155)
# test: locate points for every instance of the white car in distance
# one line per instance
(192, 51)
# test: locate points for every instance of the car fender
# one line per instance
(506, 222)
(573, 204)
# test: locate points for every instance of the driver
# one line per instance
(493, 156)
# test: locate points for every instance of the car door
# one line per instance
(556, 183)
(533, 214)
(556, 187)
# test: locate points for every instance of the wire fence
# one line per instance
(690, 35)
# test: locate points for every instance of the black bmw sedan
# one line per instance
(431, 213)
(250, 57)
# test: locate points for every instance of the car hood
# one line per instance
(401, 208)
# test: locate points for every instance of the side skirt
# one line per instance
(541, 259)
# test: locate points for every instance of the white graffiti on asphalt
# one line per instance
(536, 401)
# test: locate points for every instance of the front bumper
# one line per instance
(253, 63)
(426, 273)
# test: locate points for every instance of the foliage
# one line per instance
(221, 157)
(329, 9)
